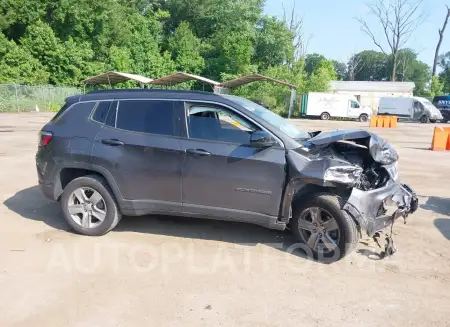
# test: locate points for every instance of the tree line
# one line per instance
(61, 42)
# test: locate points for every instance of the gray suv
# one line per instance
(136, 152)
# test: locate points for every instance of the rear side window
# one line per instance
(61, 111)
(153, 117)
(101, 111)
(79, 109)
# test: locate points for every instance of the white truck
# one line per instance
(411, 108)
(328, 105)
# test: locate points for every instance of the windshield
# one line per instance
(427, 104)
(272, 118)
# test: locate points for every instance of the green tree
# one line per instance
(274, 43)
(341, 70)
(368, 65)
(312, 62)
(320, 78)
(436, 86)
(410, 69)
(66, 62)
(185, 48)
(19, 66)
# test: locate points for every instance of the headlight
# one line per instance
(381, 151)
(343, 174)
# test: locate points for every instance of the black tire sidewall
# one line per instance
(111, 206)
(424, 119)
(325, 116)
(342, 219)
(366, 118)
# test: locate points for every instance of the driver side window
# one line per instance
(219, 124)
(355, 105)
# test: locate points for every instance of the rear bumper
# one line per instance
(377, 209)
(48, 190)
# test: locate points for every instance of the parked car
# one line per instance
(135, 152)
(443, 104)
(333, 105)
(411, 108)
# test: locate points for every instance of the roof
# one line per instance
(181, 77)
(253, 78)
(372, 86)
(113, 94)
(115, 78)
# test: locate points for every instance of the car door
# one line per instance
(222, 174)
(418, 110)
(354, 109)
(139, 145)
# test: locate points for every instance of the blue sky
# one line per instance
(336, 34)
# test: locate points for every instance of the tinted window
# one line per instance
(101, 111)
(74, 110)
(61, 111)
(154, 117)
(111, 119)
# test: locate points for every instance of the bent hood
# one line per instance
(380, 150)
(324, 138)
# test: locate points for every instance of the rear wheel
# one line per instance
(89, 206)
(325, 116)
(328, 232)
(363, 118)
(433, 121)
(424, 119)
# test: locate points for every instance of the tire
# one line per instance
(424, 119)
(363, 118)
(349, 234)
(433, 121)
(325, 116)
(110, 212)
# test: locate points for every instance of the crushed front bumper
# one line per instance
(371, 208)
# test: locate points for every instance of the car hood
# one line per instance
(380, 150)
(325, 138)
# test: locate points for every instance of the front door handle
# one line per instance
(198, 152)
(112, 142)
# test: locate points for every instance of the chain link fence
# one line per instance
(23, 98)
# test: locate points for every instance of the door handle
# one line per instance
(198, 152)
(112, 142)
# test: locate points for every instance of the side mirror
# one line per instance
(262, 139)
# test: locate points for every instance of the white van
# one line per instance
(328, 105)
(411, 108)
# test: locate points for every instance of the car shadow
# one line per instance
(438, 205)
(443, 225)
(30, 203)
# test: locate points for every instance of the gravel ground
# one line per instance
(168, 271)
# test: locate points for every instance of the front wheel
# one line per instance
(325, 116)
(327, 232)
(363, 118)
(424, 119)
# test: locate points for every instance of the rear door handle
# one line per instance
(198, 152)
(112, 142)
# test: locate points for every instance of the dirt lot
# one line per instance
(165, 271)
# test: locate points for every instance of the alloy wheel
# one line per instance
(319, 230)
(87, 207)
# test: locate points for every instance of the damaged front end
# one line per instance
(361, 167)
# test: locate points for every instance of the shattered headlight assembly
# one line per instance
(343, 174)
(382, 152)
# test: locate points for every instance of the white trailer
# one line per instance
(411, 108)
(332, 105)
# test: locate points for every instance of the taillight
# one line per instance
(45, 138)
